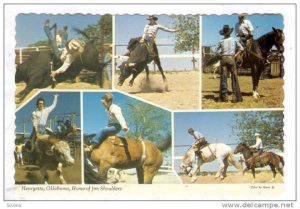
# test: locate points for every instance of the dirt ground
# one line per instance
(270, 90)
(59, 86)
(234, 177)
(30, 174)
(180, 92)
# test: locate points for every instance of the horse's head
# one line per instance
(125, 72)
(240, 148)
(62, 153)
(279, 39)
(187, 161)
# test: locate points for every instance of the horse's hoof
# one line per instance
(63, 181)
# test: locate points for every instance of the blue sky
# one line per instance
(212, 24)
(68, 102)
(30, 27)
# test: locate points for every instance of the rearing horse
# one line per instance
(266, 158)
(256, 53)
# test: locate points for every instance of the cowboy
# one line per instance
(116, 122)
(243, 29)
(227, 48)
(73, 49)
(200, 140)
(258, 144)
(150, 32)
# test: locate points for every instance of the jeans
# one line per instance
(110, 130)
(52, 42)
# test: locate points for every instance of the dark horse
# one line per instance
(137, 61)
(253, 160)
(35, 71)
(256, 52)
(125, 153)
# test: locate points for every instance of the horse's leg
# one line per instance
(140, 175)
(59, 173)
(149, 173)
(221, 168)
(226, 164)
(45, 174)
(134, 75)
(194, 171)
(273, 171)
(253, 174)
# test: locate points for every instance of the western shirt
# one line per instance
(228, 46)
(115, 116)
(150, 31)
(244, 28)
(40, 117)
(258, 144)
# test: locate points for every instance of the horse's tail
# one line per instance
(165, 143)
(90, 172)
(232, 161)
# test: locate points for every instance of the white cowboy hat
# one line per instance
(256, 134)
(76, 45)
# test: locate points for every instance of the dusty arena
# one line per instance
(180, 92)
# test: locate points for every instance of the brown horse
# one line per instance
(253, 160)
(256, 52)
(124, 153)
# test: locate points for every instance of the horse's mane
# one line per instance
(266, 42)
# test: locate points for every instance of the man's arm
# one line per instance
(34, 122)
(249, 27)
(168, 29)
(119, 116)
(50, 108)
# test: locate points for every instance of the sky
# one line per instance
(68, 102)
(212, 24)
(30, 27)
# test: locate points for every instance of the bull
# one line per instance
(35, 71)
(53, 154)
(137, 61)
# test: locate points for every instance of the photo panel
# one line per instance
(157, 59)
(48, 140)
(62, 52)
(127, 141)
(242, 61)
(241, 147)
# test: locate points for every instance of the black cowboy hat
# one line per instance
(226, 30)
(152, 17)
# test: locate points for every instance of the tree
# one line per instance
(39, 43)
(187, 39)
(268, 124)
(147, 121)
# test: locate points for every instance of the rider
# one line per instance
(243, 29)
(259, 144)
(150, 32)
(67, 54)
(200, 140)
(116, 122)
(39, 120)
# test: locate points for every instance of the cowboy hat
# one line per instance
(226, 30)
(152, 17)
(242, 15)
(256, 134)
(76, 45)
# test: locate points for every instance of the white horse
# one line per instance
(221, 152)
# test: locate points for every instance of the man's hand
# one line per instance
(53, 74)
(56, 95)
(126, 129)
(142, 41)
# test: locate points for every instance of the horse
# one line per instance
(35, 71)
(138, 59)
(209, 153)
(256, 52)
(52, 154)
(266, 158)
(126, 153)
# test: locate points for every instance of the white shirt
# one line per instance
(244, 28)
(115, 116)
(69, 59)
(259, 144)
(150, 31)
(197, 135)
(40, 117)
